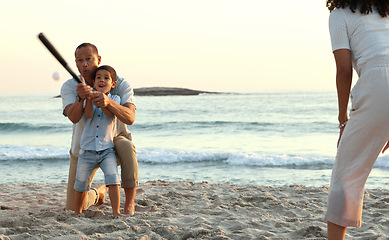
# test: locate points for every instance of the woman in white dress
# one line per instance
(360, 39)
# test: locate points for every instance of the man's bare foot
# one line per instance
(129, 211)
(129, 205)
(118, 215)
(102, 191)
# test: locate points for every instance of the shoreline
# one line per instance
(182, 210)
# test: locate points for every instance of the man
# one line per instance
(73, 97)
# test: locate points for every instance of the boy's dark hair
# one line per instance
(110, 69)
(87, 45)
(365, 6)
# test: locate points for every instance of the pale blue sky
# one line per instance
(243, 45)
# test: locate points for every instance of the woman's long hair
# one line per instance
(365, 6)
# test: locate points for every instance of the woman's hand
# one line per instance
(340, 136)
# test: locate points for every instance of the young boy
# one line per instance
(97, 144)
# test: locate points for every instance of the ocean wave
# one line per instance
(259, 159)
(202, 127)
(11, 152)
(255, 159)
(28, 127)
(156, 156)
(236, 125)
(173, 156)
(262, 159)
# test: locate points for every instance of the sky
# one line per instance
(216, 45)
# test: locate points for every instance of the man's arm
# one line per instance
(88, 110)
(125, 112)
(107, 112)
(74, 111)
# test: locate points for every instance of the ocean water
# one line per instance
(261, 138)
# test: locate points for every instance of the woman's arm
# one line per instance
(344, 75)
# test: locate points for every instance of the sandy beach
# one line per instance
(185, 210)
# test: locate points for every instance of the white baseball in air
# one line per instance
(56, 76)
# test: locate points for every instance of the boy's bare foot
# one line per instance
(130, 211)
(102, 191)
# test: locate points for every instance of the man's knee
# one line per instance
(123, 143)
(125, 150)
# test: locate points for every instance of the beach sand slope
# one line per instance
(185, 210)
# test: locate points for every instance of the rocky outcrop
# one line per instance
(165, 91)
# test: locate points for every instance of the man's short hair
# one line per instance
(87, 45)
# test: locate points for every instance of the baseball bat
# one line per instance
(58, 56)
